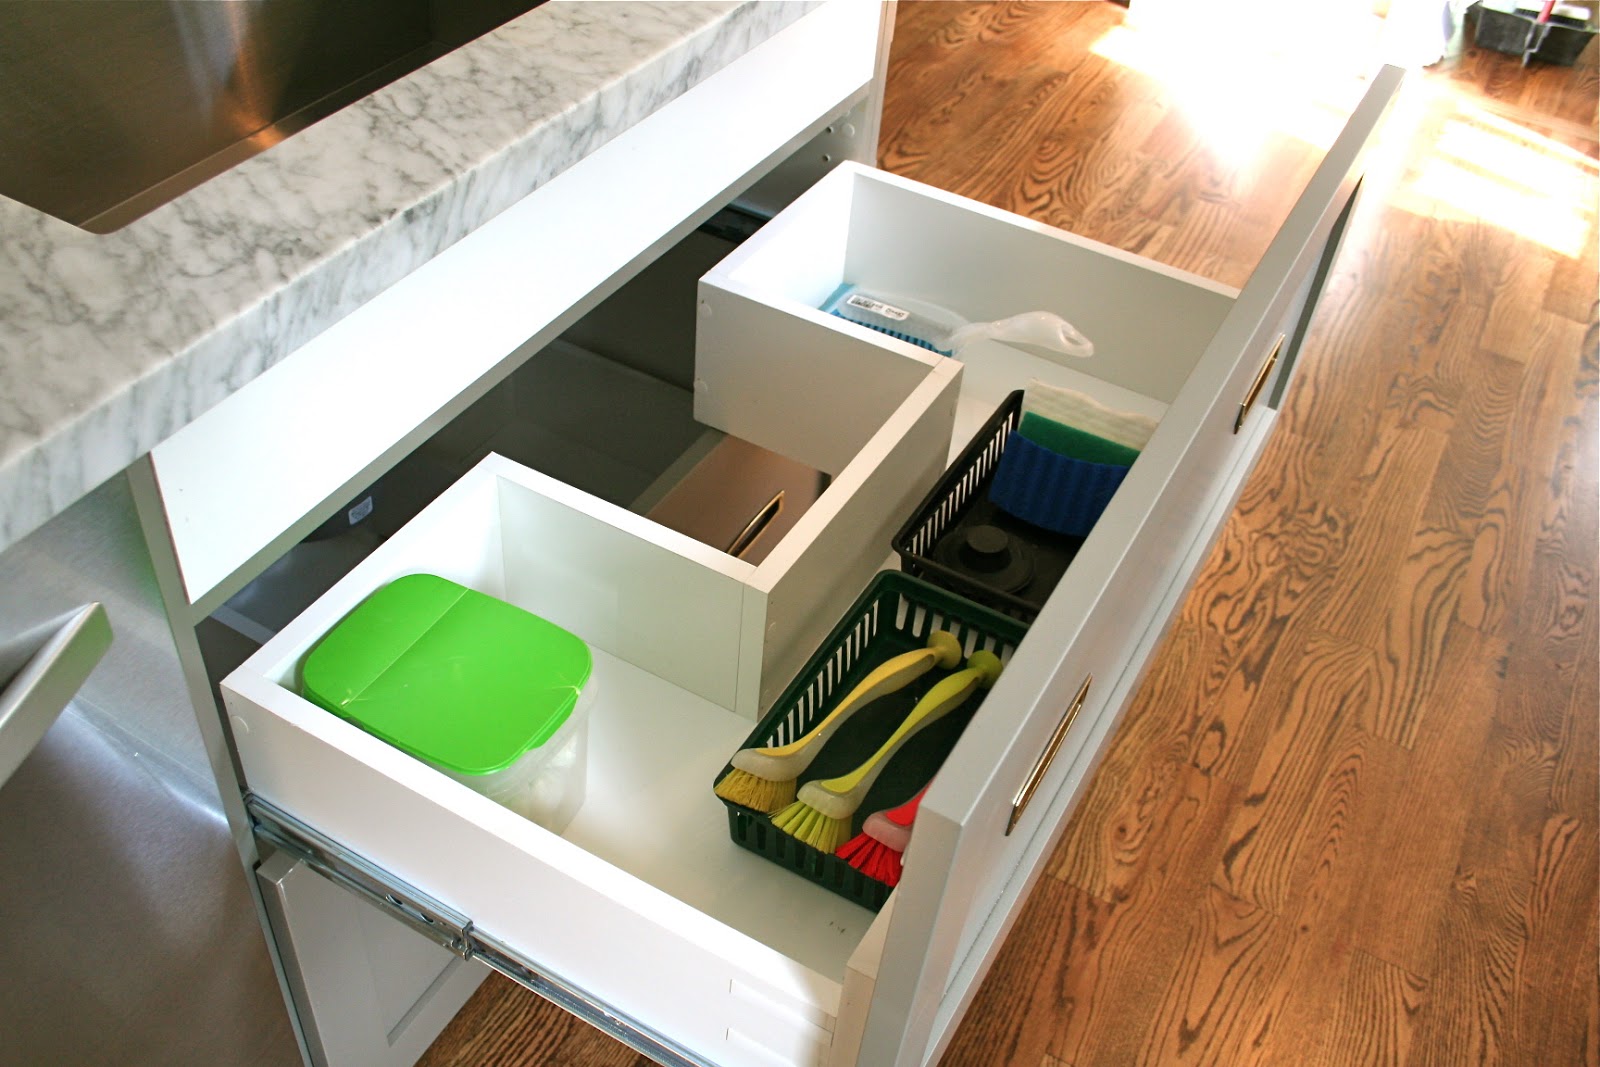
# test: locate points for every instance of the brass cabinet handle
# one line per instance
(1261, 380)
(756, 526)
(1019, 803)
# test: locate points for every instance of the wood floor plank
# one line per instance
(1414, 856)
(1152, 905)
(1557, 494)
(1570, 293)
(1331, 405)
(1069, 921)
(1468, 1016)
(506, 1025)
(1377, 1009)
(1315, 744)
(1386, 511)
(1416, 628)
(1546, 423)
(1430, 387)
(1525, 868)
(1348, 813)
(1517, 312)
(1271, 560)
(1133, 802)
(1576, 786)
(1477, 488)
(1561, 905)
(1223, 967)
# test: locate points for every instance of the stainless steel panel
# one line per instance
(40, 670)
(131, 934)
(371, 990)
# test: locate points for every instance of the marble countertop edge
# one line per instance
(157, 367)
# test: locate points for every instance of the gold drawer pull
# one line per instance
(1020, 802)
(756, 526)
(1255, 386)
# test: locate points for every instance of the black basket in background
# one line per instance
(1503, 26)
(936, 542)
(894, 615)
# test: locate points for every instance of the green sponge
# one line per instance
(1074, 443)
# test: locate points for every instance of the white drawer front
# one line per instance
(627, 943)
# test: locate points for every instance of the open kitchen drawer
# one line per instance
(643, 915)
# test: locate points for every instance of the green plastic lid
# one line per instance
(450, 675)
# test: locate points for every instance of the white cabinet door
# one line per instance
(372, 991)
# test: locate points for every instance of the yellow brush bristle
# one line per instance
(742, 787)
(802, 821)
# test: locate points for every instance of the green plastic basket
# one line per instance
(895, 614)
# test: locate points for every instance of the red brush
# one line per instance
(877, 849)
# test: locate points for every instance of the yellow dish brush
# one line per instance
(764, 778)
(821, 815)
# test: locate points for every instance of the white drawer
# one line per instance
(644, 903)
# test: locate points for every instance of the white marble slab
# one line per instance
(110, 343)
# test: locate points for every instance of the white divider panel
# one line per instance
(817, 572)
(646, 594)
(793, 384)
(268, 462)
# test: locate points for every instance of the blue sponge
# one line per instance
(1050, 490)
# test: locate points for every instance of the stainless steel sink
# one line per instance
(111, 108)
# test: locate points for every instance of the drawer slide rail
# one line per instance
(454, 931)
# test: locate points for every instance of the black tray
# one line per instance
(930, 541)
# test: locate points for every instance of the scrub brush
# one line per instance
(877, 849)
(942, 330)
(764, 778)
(820, 816)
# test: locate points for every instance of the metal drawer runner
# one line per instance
(448, 928)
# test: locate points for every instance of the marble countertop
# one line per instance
(109, 344)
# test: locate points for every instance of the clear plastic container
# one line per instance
(484, 691)
(547, 784)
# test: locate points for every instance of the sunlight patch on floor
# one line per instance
(1243, 80)
(1484, 167)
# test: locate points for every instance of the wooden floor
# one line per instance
(1352, 816)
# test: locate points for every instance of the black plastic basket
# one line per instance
(960, 502)
(1559, 41)
(895, 614)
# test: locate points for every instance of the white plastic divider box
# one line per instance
(643, 903)
(1149, 323)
